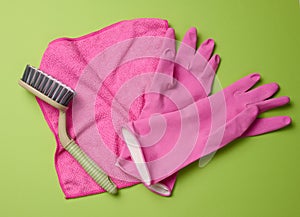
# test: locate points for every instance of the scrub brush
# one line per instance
(59, 95)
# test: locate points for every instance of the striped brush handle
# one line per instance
(84, 160)
(91, 167)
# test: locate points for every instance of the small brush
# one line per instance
(59, 95)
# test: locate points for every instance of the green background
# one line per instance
(257, 176)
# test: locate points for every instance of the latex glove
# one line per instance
(200, 128)
(181, 79)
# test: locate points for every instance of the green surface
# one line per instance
(252, 177)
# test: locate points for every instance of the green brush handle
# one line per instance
(91, 167)
(85, 161)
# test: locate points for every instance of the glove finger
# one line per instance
(187, 48)
(201, 57)
(214, 62)
(266, 125)
(208, 75)
(166, 61)
(206, 49)
(261, 93)
(244, 84)
(272, 103)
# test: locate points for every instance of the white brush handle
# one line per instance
(98, 175)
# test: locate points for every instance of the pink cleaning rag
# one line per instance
(96, 114)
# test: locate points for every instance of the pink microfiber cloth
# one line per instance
(98, 66)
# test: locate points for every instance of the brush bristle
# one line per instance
(47, 85)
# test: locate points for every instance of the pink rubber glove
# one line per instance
(200, 128)
(181, 79)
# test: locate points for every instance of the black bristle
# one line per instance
(33, 78)
(47, 85)
(61, 95)
(39, 82)
(26, 73)
(52, 89)
(57, 92)
(43, 83)
(30, 76)
(67, 97)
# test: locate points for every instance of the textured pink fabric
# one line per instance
(181, 78)
(204, 127)
(67, 59)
